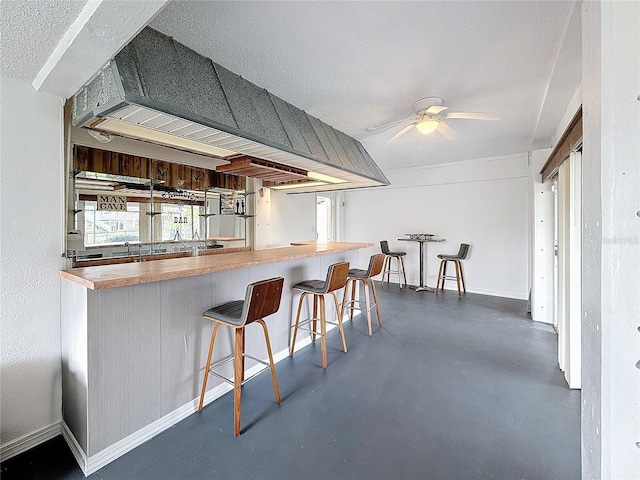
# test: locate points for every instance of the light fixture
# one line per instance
(324, 178)
(288, 186)
(428, 125)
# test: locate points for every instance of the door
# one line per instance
(568, 300)
(329, 216)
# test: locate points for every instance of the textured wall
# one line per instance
(30, 248)
(610, 240)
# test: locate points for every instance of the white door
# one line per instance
(329, 216)
(568, 299)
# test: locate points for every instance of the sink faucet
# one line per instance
(140, 252)
(126, 244)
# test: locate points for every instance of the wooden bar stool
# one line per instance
(336, 280)
(261, 300)
(356, 275)
(386, 269)
(457, 260)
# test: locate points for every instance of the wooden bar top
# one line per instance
(110, 276)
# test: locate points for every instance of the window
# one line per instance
(181, 222)
(104, 227)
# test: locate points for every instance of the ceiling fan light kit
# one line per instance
(427, 125)
(429, 116)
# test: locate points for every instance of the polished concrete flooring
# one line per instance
(447, 388)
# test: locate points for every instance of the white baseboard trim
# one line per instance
(492, 293)
(95, 462)
(26, 442)
(75, 447)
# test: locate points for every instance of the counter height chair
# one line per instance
(356, 275)
(457, 261)
(261, 300)
(387, 270)
(336, 280)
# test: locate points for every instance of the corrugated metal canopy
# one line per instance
(165, 88)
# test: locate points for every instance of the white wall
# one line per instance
(482, 202)
(293, 218)
(30, 248)
(541, 239)
(610, 240)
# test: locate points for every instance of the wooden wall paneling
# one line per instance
(198, 178)
(161, 170)
(81, 154)
(124, 362)
(182, 340)
(74, 359)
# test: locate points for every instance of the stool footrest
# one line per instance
(308, 321)
(228, 359)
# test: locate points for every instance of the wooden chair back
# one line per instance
(262, 299)
(376, 262)
(337, 276)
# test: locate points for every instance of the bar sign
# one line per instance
(112, 202)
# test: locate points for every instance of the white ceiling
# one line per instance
(356, 64)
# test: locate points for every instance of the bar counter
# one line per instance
(134, 342)
(119, 275)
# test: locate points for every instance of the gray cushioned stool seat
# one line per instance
(229, 312)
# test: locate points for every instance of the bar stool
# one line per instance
(457, 260)
(261, 300)
(366, 277)
(336, 279)
(386, 269)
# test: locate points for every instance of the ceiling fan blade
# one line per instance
(436, 109)
(446, 131)
(386, 126)
(473, 115)
(401, 132)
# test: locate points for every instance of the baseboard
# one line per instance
(92, 464)
(492, 293)
(75, 447)
(26, 442)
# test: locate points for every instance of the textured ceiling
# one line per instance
(31, 30)
(358, 64)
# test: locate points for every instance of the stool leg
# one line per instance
(295, 329)
(404, 275)
(273, 367)
(353, 298)
(464, 288)
(444, 273)
(440, 277)
(375, 299)
(206, 368)
(457, 276)
(385, 269)
(344, 340)
(323, 330)
(367, 303)
(237, 379)
(315, 318)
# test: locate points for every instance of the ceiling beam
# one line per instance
(97, 35)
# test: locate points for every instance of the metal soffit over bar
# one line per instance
(165, 93)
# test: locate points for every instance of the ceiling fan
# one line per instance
(428, 116)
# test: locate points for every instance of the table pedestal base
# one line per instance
(422, 289)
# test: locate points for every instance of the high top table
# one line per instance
(422, 287)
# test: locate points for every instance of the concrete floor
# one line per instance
(447, 388)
